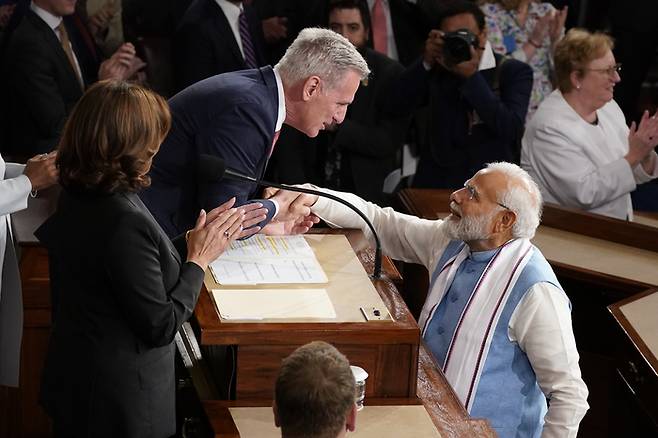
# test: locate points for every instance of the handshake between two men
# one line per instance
(294, 212)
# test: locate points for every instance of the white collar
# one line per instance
(231, 10)
(281, 116)
(51, 20)
(488, 59)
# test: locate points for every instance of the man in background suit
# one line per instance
(364, 149)
(237, 116)
(47, 67)
(217, 36)
(477, 107)
(398, 29)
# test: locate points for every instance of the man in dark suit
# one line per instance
(403, 27)
(237, 116)
(217, 36)
(477, 107)
(364, 149)
(46, 70)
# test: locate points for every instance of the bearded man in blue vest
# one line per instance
(496, 317)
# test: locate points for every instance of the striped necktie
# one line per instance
(247, 45)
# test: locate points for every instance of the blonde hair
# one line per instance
(577, 49)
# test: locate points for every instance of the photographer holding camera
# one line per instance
(476, 101)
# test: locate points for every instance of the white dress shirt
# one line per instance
(579, 164)
(541, 323)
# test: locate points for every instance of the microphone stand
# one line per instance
(377, 270)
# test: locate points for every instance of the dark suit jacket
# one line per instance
(205, 46)
(469, 124)
(233, 116)
(40, 86)
(410, 29)
(122, 293)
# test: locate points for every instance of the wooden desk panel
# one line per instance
(388, 350)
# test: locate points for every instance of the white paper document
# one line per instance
(257, 304)
(268, 260)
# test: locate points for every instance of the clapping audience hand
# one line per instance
(122, 65)
(556, 25)
(642, 139)
(42, 171)
(541, 29)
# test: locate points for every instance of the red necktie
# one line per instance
(276, 137)
(379, 29)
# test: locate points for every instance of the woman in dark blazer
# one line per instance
(121, 287)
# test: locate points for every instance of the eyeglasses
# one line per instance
(610, 71)
(473, 194)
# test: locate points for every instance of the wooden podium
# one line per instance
(599, 261)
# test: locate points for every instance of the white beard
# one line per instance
(469, 228)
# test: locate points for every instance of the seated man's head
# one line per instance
(457, 15)
(351, 19)
(499, 203)
(314, 394)
(321, 72)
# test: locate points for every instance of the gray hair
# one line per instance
(323, 53)
(522, 196)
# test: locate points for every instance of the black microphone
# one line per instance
(212, 169)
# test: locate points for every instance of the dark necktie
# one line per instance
(247, 45)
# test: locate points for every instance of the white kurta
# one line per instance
(541, 323)
(14, 190)
(581, 165)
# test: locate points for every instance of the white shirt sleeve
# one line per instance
(14, 188)
(541, 325)
(641, 176)
(403, 237)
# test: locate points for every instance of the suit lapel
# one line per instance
(223, 26)
(137, 203)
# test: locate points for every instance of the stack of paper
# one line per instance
(268, 260)
(257, 304)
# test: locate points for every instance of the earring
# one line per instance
(578, 87)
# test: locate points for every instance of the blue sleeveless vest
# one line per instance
(508, 394)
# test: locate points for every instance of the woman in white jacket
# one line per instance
(17, 181)
(577, 147)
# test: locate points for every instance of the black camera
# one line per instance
(457, 46)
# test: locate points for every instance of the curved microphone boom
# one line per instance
(212, 168)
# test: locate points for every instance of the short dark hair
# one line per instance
(314, 392)
(455, 7)
(361, 5)
(110, 138)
